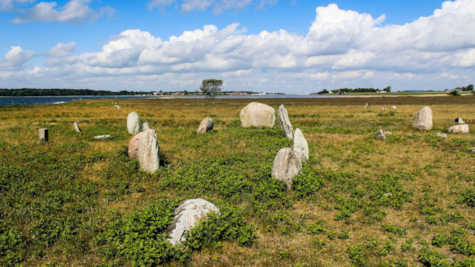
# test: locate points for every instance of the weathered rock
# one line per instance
(148, 151)
(394, 107)
(134, 145)
(76, 127)
(300, 146)
(388, 133)
(43, 135)
(423, 119)
(133, 123)
(459, 121)
(186, 216)
(286, 166)
(206, 125)
(380, 135)
(442, 135)
(105, 136)
(284, 122)
(258, 115)
(145, 126)
(459, 129)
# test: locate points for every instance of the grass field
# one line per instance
(76, 201)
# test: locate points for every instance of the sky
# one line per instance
(288, 46)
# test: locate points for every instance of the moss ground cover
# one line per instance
(407, 201)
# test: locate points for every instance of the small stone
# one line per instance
(257, 115)
(187, 215)
(133, 123)
(388, 133)
(76, 127)
(442, 135)
(286, 166)
(105, 136)
(300, 146)
(394, 107)
(148, 151)
(423, 119)
(206, 125)
(459, 129)
(380, 135)
(43, 135)
(134, 145)
(459, 121)
(284, 122)
(145, 126)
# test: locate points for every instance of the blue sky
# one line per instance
(303, 54)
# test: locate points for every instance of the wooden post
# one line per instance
(43, 135)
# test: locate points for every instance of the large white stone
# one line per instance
(284, 122)
(258, 115)
(134, 125)
(286, 166)
(423, 119)
(463, 128)
(206, 125)
(148, 151)
(300, 146)
(145, 126)
(186, 216)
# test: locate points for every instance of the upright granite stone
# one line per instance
(148, 151)
(423, 119)
(134, 145)
(380, 135)
(459, 129)
(133, 123)
(284, 122)
(186, 216)
(43, 135)
(145, 126)
(257, 115)
(76, 127)
(286, 166)
(206, 125)
(300, 146)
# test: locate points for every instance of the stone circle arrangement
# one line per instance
(288, 162)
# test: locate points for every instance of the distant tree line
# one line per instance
(355, 90)
(62, 92)
(467, 88)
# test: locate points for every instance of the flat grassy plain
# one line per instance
(76, 201)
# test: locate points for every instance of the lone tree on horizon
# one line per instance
(211, 88)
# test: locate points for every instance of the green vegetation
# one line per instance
(406, 201)
(62, 92)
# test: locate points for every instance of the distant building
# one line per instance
(381, 91)
(447, 90)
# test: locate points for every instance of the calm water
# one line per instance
(41, 100)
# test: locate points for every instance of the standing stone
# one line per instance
(423, 119)
(76, 127)
(206, 125)
(148, 151)
(134, 145)
(459, 129)
(43, 135)
(284, 122)
(145, 126)
(380, 135)
(286, 166)
(257, 115)
(186, 216)
(133, 123)
(459, 121)
(300, 146)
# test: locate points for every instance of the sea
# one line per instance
(43, 100)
